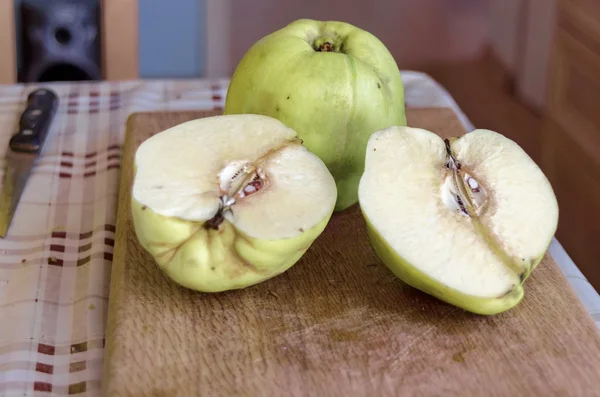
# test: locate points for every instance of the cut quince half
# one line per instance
(465, 220)
(226, 202)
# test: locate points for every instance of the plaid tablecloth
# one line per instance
(55, 262)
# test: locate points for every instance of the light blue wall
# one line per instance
(171, 38)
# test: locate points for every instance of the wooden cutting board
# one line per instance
(337, 324)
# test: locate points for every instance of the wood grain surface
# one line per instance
(120, 39)
(338, 323)
(8, 59)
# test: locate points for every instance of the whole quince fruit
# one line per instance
(333, 83)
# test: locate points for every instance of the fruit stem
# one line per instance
(324, 44)
(452, 162)
(462, 198)
(326, 47)
(215, 221)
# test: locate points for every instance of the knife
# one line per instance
(23, 149)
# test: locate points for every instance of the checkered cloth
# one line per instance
(56, 259)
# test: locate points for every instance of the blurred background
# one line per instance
(529, 69)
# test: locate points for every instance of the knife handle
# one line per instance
(35, 122)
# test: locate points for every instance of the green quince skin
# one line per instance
(332, 82)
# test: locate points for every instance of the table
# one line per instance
(56, 261)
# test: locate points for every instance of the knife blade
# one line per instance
(23, 149)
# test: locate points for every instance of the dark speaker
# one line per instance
(60, 40)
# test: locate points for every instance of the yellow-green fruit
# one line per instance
(465, 220)
(227, 202)
(216, 260)
(332, 82)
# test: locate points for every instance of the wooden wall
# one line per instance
(8, 57)
(416, 32)
(571, 140)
